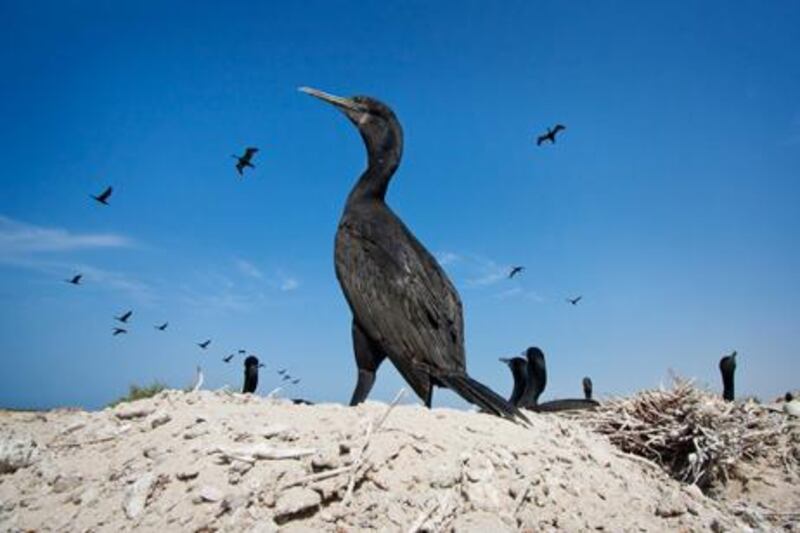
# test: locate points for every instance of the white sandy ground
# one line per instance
(215, 461)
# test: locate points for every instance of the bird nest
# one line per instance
(696, 436)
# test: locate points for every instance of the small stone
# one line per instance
(130, 412)
(187, 475)
(136, 499)
(208, 494)
(16, 453)
(159, 419)
(64, 483)
(296, 500)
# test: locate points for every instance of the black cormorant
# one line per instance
(251, 366)
(243, 161)
(404, 306)
(519, 369)
(587, 388)
(103, 196)
(535, 377)
(124, 317)
(204, 344)
(75, 280)
(119, 331)
(550, 135)
(574, 301)
(228, 358)
(515, 270)
(162, 327)
(727, 366)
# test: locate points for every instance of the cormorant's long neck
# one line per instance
(383, 158)
(519, 386)
(537, 379)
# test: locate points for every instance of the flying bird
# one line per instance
(162, 327)
(242, 352)
(574, 301)
(228, 359)
(550, 135)
(124, 317)
(119, 331)
(103, 196)
(244, 161)
(404, 306)
(295, 381)
(75, 280)
(286, 377)
(282, 371)
(515, 270)
(205, 344)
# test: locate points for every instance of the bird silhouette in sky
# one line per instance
(515, 270)
(103, 196)
(119, 331)
(550, 135)
(295, 381)
(574, 301)
(75, 280)
(228, 359)
(162, 327)
(204, 344)
(244, 161)
(124, 317)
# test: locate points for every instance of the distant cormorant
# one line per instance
(587, 388)
(124, 317)
(75, 280)
(204, 344)
(574, 301)
(162, 327)
(519, 368)
(404, 306)
(103, 196)
(550, 135)
(515, 270)
(228, 358)
(251, 366)
(727, 366)
(244, 161)
(119, 331)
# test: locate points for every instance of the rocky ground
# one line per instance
(216, 461)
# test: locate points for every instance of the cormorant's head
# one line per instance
(516, 364)
(535, 356)
(376, 122)
(728, 363)
(789, 397)
(251, 362)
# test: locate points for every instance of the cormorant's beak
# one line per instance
(505, 360)
(343, 103)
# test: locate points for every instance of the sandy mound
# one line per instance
(214, 461)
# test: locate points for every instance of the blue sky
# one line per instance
(670, 203)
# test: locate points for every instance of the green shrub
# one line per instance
(135, 392)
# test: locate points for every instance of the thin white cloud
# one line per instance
(23, 239)
(248, 269)
(447, 258)
(289, 284)
(488, 272)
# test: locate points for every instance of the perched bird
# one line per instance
(403, 304)
(727, 367)
(204, 344)
(244, 161)
(75, 280)
(574, 301)
(536, 380)
(587, 388)
(228, 358)
(103, 196)
(124, 317)
(119, 331)
(251, 366)
(519, 369)
(515, 270)
(550, 135)
(162, 327)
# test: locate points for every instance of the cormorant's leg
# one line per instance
(368, 358)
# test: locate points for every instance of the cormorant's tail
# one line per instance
(570, 404)
(482, 396)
